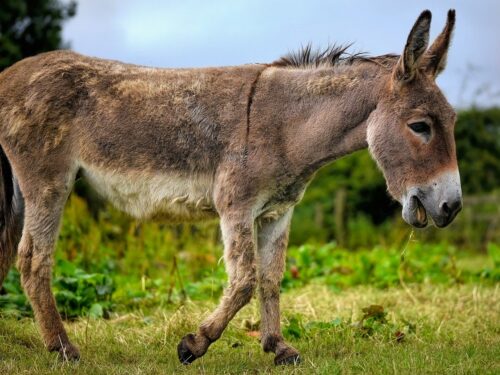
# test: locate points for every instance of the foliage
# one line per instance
(478, 149)
(80, 293)
(116, 264)
(382, 267)
(366, 196)
(28, 27)
(77, 293)
(12, 299)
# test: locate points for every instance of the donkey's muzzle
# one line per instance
(440, 199)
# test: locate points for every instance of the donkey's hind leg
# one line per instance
(239, 255)
(7, 257)
(43, 210)
(272, 244)
(12, 206)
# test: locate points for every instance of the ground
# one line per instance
(423, 329)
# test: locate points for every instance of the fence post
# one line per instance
(340, 217)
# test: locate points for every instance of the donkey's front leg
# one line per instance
(273, 241)
(239, 256)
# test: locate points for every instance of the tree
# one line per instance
(28, 27)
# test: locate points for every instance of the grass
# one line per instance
(440, 329)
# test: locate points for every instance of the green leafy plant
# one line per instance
(79, 293)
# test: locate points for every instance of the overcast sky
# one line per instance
(190, 33)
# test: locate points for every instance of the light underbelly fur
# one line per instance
(171, 196)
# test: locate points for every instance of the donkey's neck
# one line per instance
(324, 112)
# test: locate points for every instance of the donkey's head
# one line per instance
(410, 133)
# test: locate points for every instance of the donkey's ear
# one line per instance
(436, 54)
(417, 42)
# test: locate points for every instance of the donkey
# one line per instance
(239, 143)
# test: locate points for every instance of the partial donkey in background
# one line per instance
(240, 143)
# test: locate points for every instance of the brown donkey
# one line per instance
(240, 143)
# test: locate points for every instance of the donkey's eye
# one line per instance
(420, 128)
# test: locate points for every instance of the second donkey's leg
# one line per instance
(239, 255)
(272, 244)
(43, 212)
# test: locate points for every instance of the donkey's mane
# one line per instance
(332, 55)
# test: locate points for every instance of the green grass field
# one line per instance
(424, 329)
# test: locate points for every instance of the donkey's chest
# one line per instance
(171, 197)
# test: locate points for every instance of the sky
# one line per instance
(195, 33)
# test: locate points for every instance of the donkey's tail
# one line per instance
(11, 215)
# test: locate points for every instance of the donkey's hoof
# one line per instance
(68, 352)
(287, 357)
(185, 354)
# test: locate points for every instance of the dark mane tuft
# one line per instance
(332, 55)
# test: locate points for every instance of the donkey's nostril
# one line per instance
(456, 206)
(450, 209)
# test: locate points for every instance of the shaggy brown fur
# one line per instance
(240, 143)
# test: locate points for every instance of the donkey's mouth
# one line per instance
(421, 214)
(414, 212)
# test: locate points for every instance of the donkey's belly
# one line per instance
(171, 197)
